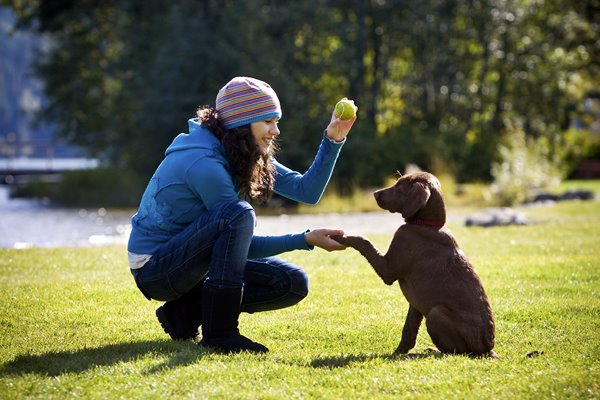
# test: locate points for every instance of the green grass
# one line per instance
(74, 326)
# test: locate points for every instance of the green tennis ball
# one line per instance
(345, 109)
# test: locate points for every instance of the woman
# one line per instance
(192, 243)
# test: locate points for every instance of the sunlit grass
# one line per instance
(74, 325)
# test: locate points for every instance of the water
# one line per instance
(26, 223)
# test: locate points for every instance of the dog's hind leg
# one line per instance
(410, 331)
(445, 331)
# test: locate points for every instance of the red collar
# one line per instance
(426, 222)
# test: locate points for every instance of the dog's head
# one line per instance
(411, 194)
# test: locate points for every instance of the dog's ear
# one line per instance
(416, 198)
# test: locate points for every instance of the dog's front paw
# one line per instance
(402, 349)
(350, 241)
(340, 239)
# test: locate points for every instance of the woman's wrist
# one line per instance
(309, 240)
(307, 237)
(334, 139)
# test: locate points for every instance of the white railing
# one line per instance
(22, 164)
(39, 157)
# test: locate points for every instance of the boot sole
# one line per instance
(227, 347)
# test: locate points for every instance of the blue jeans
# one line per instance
(215, 248)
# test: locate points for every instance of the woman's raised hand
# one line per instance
(338, 129)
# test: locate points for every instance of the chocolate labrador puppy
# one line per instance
(435, 276)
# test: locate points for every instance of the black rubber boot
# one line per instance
(180, 318)
(220, 310)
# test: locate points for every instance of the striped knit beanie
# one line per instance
(245, 100)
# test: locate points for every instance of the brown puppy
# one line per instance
(435, 276)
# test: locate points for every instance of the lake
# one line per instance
(26, 223)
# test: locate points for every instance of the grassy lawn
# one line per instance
(74, 326)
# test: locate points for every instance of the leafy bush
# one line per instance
(102, 187)
(525, 164)
(576, 145)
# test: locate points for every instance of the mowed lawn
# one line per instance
(74, 326)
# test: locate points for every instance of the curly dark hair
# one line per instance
(252, 170)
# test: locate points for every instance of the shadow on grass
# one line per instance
(344, 361)
(63, 362)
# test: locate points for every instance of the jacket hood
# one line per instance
(198, 137)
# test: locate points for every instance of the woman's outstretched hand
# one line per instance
(322, 238)
(338, 129)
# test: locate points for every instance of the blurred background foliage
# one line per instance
(465, 88)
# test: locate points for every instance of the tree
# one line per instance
(437, 82)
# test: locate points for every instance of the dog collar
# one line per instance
(426, 222)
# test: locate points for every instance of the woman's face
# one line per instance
(264, 133)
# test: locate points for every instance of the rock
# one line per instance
(569, 195)
(534, 353)
(496, 217)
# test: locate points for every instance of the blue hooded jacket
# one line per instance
(194, 178)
